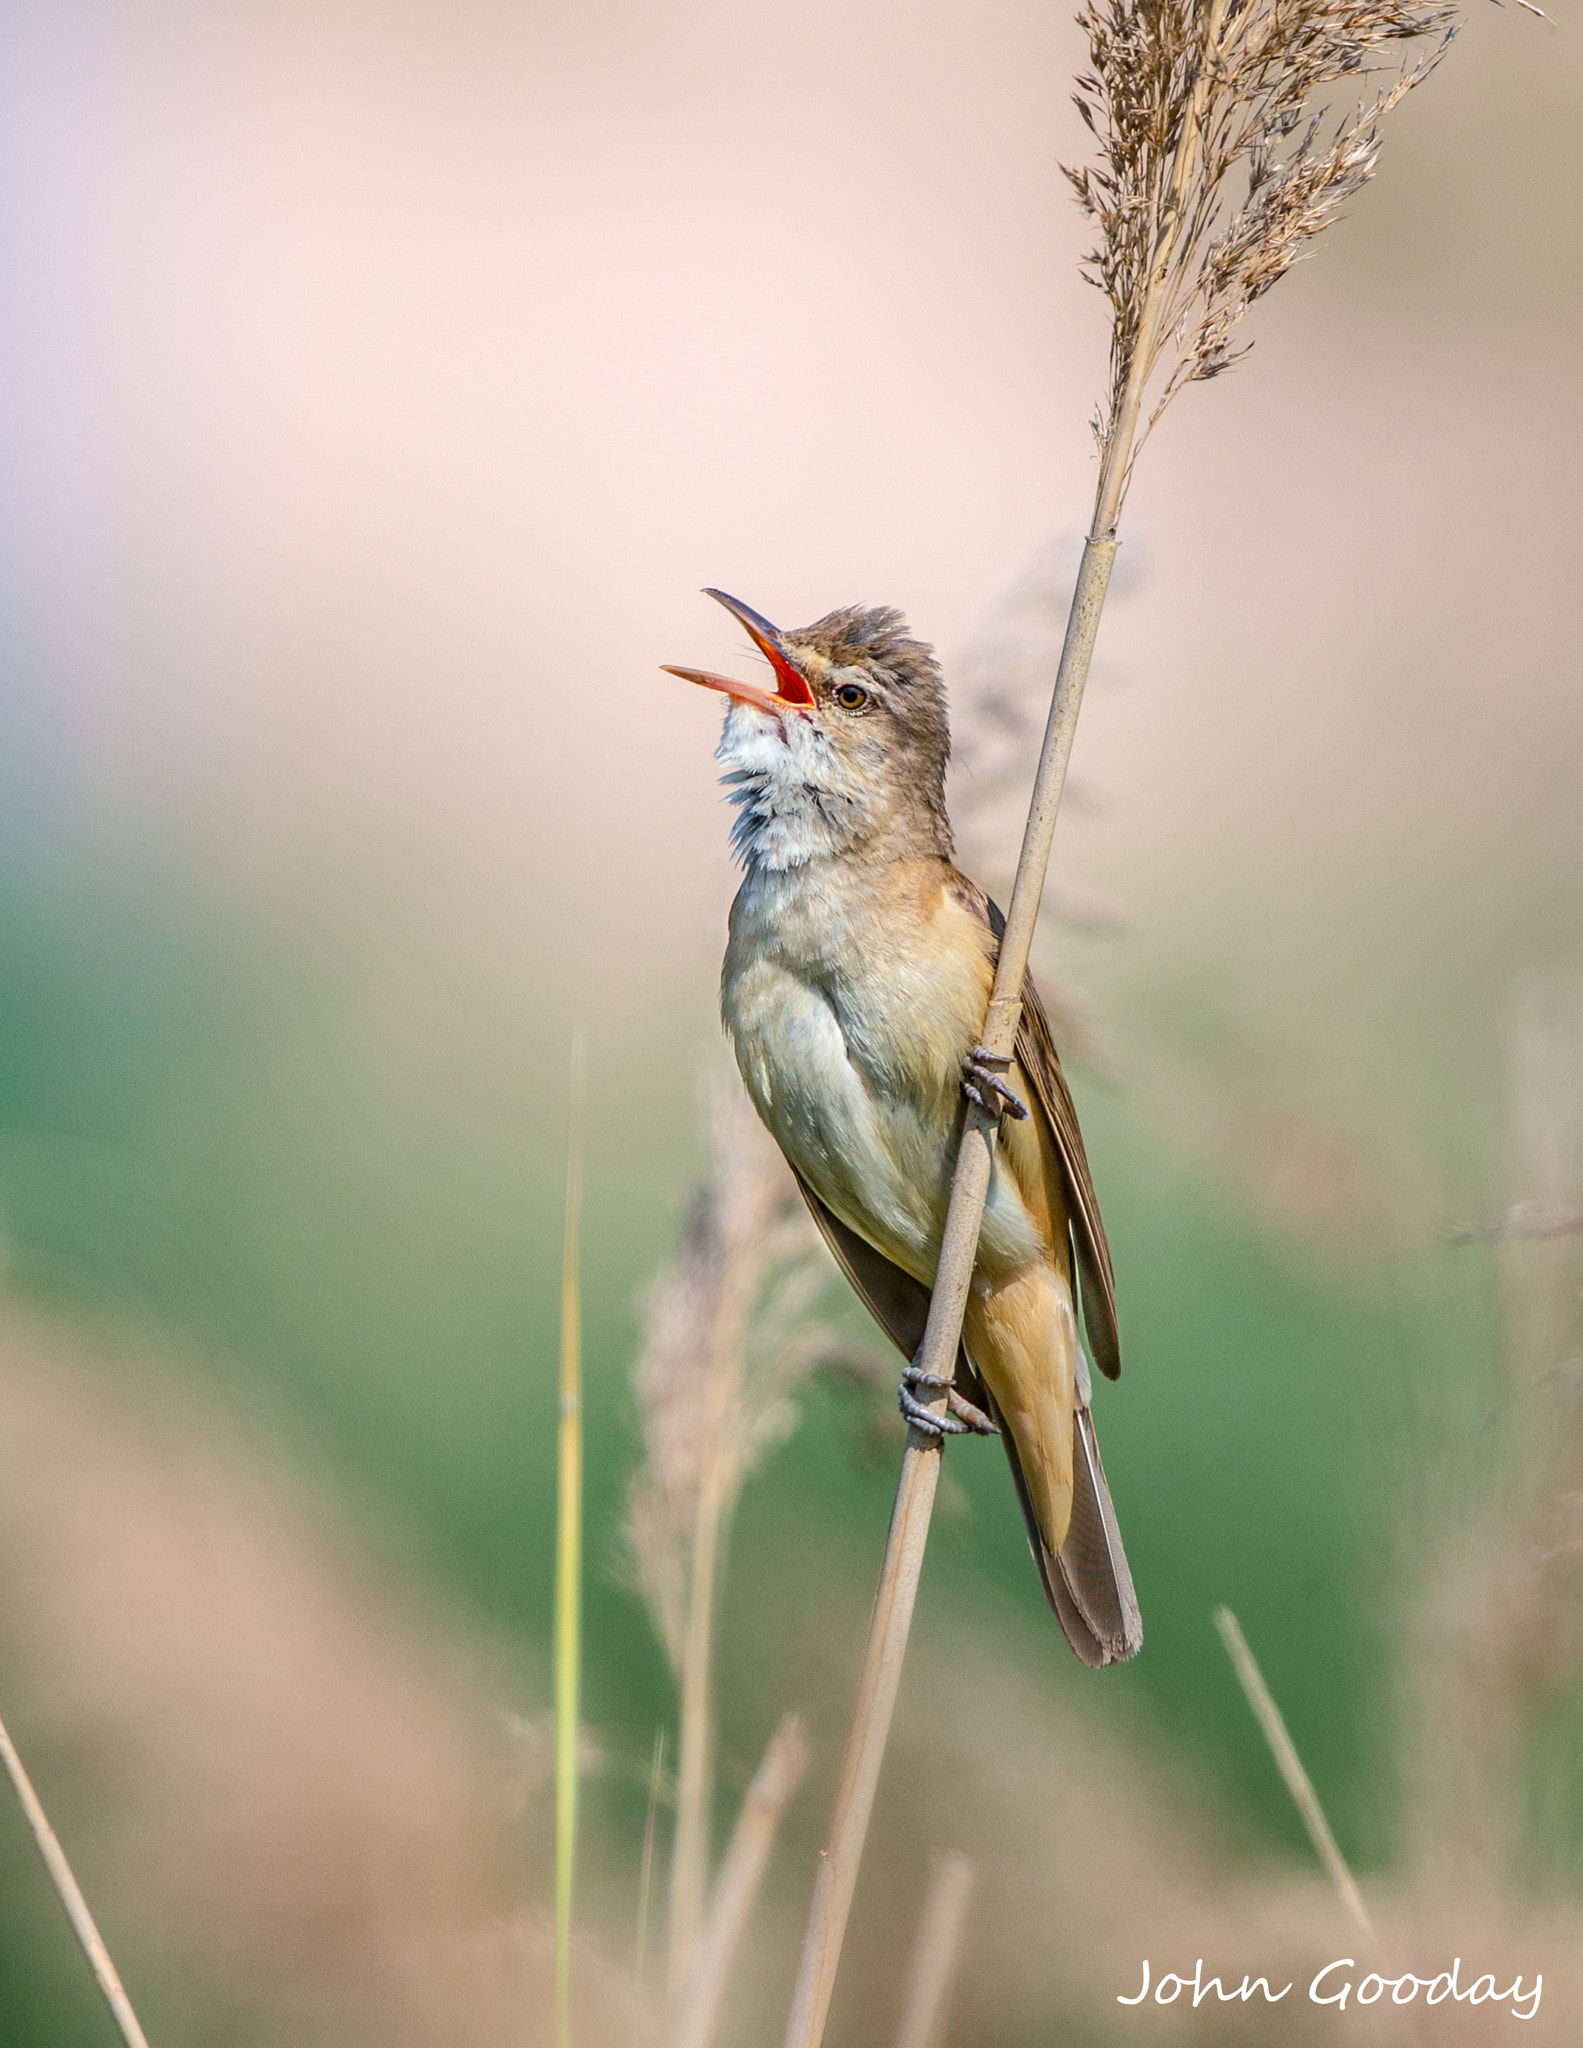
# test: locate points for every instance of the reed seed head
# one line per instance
(1222, 156)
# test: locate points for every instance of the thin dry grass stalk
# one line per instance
(730, 1335)
(569, 1555)
(640, 1946)
(1180, 95)
(1272, 1724)
(937, 1951)
(69, 1892)
(737, 1888)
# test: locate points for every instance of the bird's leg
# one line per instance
(960, 1417)
(983, 1084)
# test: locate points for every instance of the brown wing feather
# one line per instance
(896, 1301)
(1039, 1060)
(1093, 1562)
(1088, 1586)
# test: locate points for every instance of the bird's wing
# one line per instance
(1041, 1063)
(1088, 1586)
(896, 1301)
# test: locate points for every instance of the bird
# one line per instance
(854, 988)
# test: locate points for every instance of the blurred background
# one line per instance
(378, 385)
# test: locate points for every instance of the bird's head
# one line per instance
(845, 754)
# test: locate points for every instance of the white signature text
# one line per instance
(1334, 1985)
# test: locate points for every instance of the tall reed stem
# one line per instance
(70, 1894)
(737, 1888)
(1290, 1765)
(937, 1950)
(920, 1470)
(569, 1556)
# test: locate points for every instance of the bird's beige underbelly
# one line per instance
(881, 1161)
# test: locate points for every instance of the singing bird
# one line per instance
(856, 979)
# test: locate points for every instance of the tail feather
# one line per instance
(1092, 1560)
(1087, 1583)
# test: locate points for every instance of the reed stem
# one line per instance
(1290, 1766)
(640, 1945)
(937, 1950)
(569, 1555)
(69, 1892)
(736, 1889)
(690, 1850)
(920, 1470)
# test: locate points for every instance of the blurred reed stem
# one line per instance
(569, 1554)
(1290, 1765)
(937, 1950)
(737, 1887)
(69, 1892)
(646, 1882)
(690, 1848)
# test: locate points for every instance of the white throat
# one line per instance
(796, 800)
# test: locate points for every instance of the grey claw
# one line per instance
(982, 1084)
(920, 1417)
(961, 1417)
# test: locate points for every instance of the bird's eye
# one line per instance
(851, 696)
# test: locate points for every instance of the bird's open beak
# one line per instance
(791, 692)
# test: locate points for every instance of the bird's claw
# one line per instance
(983, 1084)
(961, 1417)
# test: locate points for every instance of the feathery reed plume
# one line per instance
(569, 1555)
(729, 1337)
(1180, 95)
(1272, 1725)
(937, 1950)
(1219, 161)
(737, 1887)
(70, 1895)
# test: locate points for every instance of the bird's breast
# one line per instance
(852, 1002)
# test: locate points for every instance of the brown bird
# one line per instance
(856, 980)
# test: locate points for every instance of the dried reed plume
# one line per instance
(730, 1335)
(1269, 163)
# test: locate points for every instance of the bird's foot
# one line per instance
(983, 1084)
(961, 1418)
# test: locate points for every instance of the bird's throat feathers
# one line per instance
(802, 796)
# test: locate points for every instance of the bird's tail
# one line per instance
(1086, 1582)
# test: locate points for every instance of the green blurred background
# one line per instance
(379, 384)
